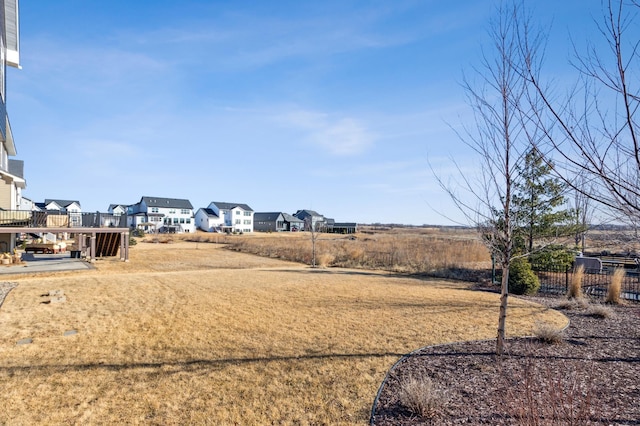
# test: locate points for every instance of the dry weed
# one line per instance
(575, 285)
(325, 259)
(401, 252)
(615, 287)
(537, 396)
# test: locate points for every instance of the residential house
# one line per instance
(11, 184)
(276, 222)
(226, 217)
(311, 219)
(68, 208)
(342, 227)
(27, 204)
(157, 214)
(117, 209)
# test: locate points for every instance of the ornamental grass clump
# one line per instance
(547, 333)
(600, 311)
(422, 396)
(575, 285)
(615, 287)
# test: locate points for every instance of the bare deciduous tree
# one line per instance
(313, 233)
(501, 136)
(594, 131)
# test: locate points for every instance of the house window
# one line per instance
(184, 211)
(237, 221)
(237, 212)
(154, 210)
(188, 220)
(172, 211)
(182, 220)
(175, 220)
(247, 213)
(247, 222)
(280, 224)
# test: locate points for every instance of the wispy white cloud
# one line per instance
(340, 136)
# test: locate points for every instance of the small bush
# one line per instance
(547, 333)
(422, 397)
(575, 286)
(613, 292)
(600, 311)
(522, 279)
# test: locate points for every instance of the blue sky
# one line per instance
(335, 106)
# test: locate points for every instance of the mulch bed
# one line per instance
(591, 377)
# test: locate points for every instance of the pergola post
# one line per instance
(92, 257)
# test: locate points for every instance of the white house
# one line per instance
(71, 208)
(117, 209)
(227, 217)
(158, 214)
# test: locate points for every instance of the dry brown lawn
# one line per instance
(190, 333)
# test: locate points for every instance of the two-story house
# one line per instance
(227, 217)
(157, 214)
(11, 180)
(311, 219)
(117, 209)
(69, 208)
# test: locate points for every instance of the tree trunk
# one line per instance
(504, 296)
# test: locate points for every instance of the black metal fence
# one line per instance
(55, 219)
(595, 282)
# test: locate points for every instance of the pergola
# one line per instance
(86, 237)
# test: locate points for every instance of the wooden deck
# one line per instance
(95, 242)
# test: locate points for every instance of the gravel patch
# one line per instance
(5, 288)
(591, 377)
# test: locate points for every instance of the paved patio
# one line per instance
(46, 263)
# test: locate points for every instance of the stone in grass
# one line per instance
(56, 292)
(70, 332)
(58, 299)
(26, 341)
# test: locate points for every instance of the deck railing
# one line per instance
(55, 219)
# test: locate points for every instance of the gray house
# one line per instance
(316, 219)
(276, 222)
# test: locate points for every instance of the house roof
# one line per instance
(176, 203)
(113, 206)
(228, 206)
(305, 213)
(61, 203)
(266, 216)
(209, 212)
(290, 218)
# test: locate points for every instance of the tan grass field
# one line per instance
(190, 333)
